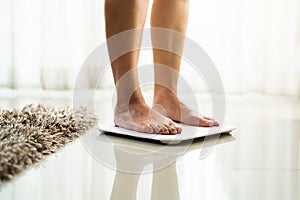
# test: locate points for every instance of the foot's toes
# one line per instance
(171, 127)
(209, 118)
(178, 128)
(165, 130)
(216, 123)
(199, 121)
(156, 128)
(160, 129)
(173, 130)
(206, 122)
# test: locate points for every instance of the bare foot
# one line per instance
(140, 117)
(168, 104)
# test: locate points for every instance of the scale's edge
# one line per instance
(164, 141)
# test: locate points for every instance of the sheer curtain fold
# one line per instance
(254, 43)
(45, 42)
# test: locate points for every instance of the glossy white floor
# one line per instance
(259, 161)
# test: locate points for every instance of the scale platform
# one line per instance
(188, 132)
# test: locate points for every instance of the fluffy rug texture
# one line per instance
(29, 134)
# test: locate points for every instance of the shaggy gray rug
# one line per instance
(29, 134)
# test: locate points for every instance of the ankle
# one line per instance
(135, 99)
(163, 93)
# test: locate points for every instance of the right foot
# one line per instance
(167, 103)
(140, 117)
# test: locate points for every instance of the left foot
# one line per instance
(168, 104)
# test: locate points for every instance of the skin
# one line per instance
(132, 112)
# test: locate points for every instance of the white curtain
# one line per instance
(44, 42)
(254, 43)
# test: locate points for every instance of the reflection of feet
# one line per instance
(140, 117)
(167, 103)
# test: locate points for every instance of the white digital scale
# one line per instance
(188, 132)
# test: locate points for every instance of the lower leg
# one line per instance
(131, 111)
(121, 16)
(173, 15)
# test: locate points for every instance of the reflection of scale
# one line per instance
(188, 132)
(131, 155)
(130, 158)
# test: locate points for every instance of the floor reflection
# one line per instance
(164, 181)
(130, 158)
